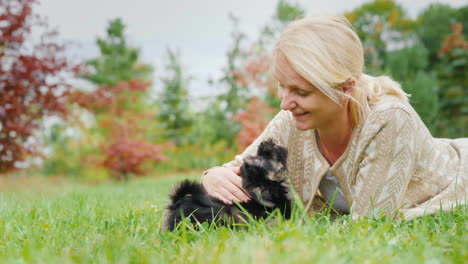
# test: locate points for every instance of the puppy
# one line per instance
(263, 177)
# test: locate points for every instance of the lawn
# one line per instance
(68, 222)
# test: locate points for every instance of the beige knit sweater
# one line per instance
(392, 164)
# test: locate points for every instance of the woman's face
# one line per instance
(311, 108)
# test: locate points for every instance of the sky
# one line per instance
(198, 29)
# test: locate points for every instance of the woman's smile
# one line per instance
(300, 115)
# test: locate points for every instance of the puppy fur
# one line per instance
(264, 176)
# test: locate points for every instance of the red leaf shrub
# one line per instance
(109, 98)
(125, 150)
(32, 82)
(126, 156)
(253, 120)
(254, 71)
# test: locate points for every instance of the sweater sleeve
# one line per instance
(386, 165)
(277, 129)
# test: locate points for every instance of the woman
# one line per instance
(353, 139)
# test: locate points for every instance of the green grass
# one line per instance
(121, 223)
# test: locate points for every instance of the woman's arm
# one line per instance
(224, 182)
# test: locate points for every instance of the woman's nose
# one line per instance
(287, 102)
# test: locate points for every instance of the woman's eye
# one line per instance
(302, 93)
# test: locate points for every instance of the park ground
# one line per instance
(55, 220)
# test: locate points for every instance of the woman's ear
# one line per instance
(348, 86)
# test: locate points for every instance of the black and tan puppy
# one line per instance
(264, 177)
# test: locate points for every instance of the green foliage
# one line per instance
(273, 101)
(247, 70)
(453, 116)
(218, 124)
(114, 223)
(195, 156)
(118, 61)
(371, 22)
(461, 15)
(174, 109)
(393, 44)
(59, 140)
(405, 63)
(213, 125)
(424, 97)
(237, 91)
(432, 25)
(114, 137)
(123, 84)
(438, 86)
(408, 67)
(70, 143)
(286, 12)
(441, 32)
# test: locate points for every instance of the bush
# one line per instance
(196, 156)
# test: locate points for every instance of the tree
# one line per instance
(379, 24)
(442, 30)
(126, 142)
(125, 150)
(286, 12)
(248, 74)
(218, 125)
(461, 15)
(451, 70)
(237, 91)
(118, 61)
(254, 72)
(412, 52)
(174, 108)
(432, 24)
(408, 66)
(34, 81)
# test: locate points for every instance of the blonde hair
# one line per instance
(326, 51)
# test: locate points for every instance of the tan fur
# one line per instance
(263, 200)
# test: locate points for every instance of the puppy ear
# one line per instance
(266, 148)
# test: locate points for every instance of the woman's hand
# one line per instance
(225, 184)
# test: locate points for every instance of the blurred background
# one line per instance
(98, 90)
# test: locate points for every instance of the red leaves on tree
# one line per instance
(32, 85)
(254, 70)
(253, 120)
(110, 98)
(125, 149)
(125, 156)
(454, 40)
(95, 101)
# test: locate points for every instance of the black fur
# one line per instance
(263, 176)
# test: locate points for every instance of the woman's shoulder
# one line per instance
(391, 109)
(391, 103)
(389, 112)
